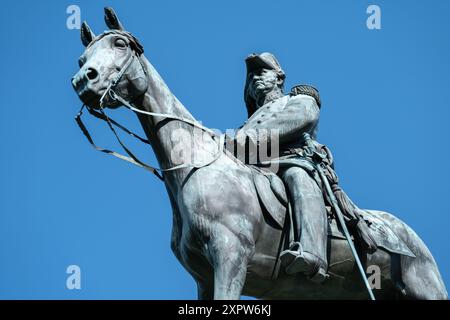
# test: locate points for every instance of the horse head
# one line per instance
(110, 65)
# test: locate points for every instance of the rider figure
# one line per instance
(269, 108)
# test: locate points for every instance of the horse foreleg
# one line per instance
(230, 255)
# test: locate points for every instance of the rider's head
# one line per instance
(264, 76)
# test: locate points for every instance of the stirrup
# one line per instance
(288, 256)
(320, 276)
(295, 260)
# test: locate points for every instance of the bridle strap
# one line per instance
(168, 116)
(101, 116)
(118, 77)
(111, 123)
(132, 158)
(194, 123)
(109, 91)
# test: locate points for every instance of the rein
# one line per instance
(112, 123)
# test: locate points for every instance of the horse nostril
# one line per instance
(91, 73)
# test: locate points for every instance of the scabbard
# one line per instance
(341, 220)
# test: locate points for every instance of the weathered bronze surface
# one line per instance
(232, 220)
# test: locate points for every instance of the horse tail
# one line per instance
(420, 276)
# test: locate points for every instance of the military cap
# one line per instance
(264, 60)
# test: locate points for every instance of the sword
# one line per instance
(312, 153)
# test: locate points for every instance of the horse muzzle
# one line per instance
(89, 88)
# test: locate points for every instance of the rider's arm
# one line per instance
(298, 115)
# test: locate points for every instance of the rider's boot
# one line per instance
(310, 223)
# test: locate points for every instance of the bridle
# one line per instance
(112, 123)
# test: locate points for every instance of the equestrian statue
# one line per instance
(245, 223)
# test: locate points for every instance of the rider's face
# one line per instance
(263, 81)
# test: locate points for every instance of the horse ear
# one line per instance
(86, 34)
(111, 19)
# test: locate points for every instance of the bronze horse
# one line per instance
(221, 234)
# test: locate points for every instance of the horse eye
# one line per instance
(81, 62)
(120, 43)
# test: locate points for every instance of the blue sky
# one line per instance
(385, 115)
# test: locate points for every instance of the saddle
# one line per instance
(275, 202)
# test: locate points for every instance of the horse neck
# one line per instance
(169, 137)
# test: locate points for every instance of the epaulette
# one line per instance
(307, 90)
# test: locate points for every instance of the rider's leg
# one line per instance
(309, 255)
